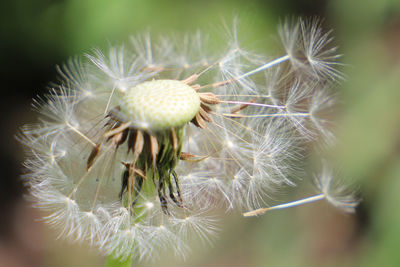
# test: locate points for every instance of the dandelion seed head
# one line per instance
(136, 146)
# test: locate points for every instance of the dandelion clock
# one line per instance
(137, 146)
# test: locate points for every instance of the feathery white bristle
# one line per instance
(310, 49)
(335, 191)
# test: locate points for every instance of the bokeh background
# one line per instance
(37, 35)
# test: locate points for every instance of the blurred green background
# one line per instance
(37, 35)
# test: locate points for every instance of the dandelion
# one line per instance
(135, 147)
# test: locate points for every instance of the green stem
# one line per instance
(112, 262)
(167, 159)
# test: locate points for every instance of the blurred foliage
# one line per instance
(38, 34)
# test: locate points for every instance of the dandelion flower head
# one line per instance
(136, 145)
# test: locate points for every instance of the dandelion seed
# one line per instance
(136, 146)
(335, 193)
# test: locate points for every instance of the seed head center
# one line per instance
(161, 104)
